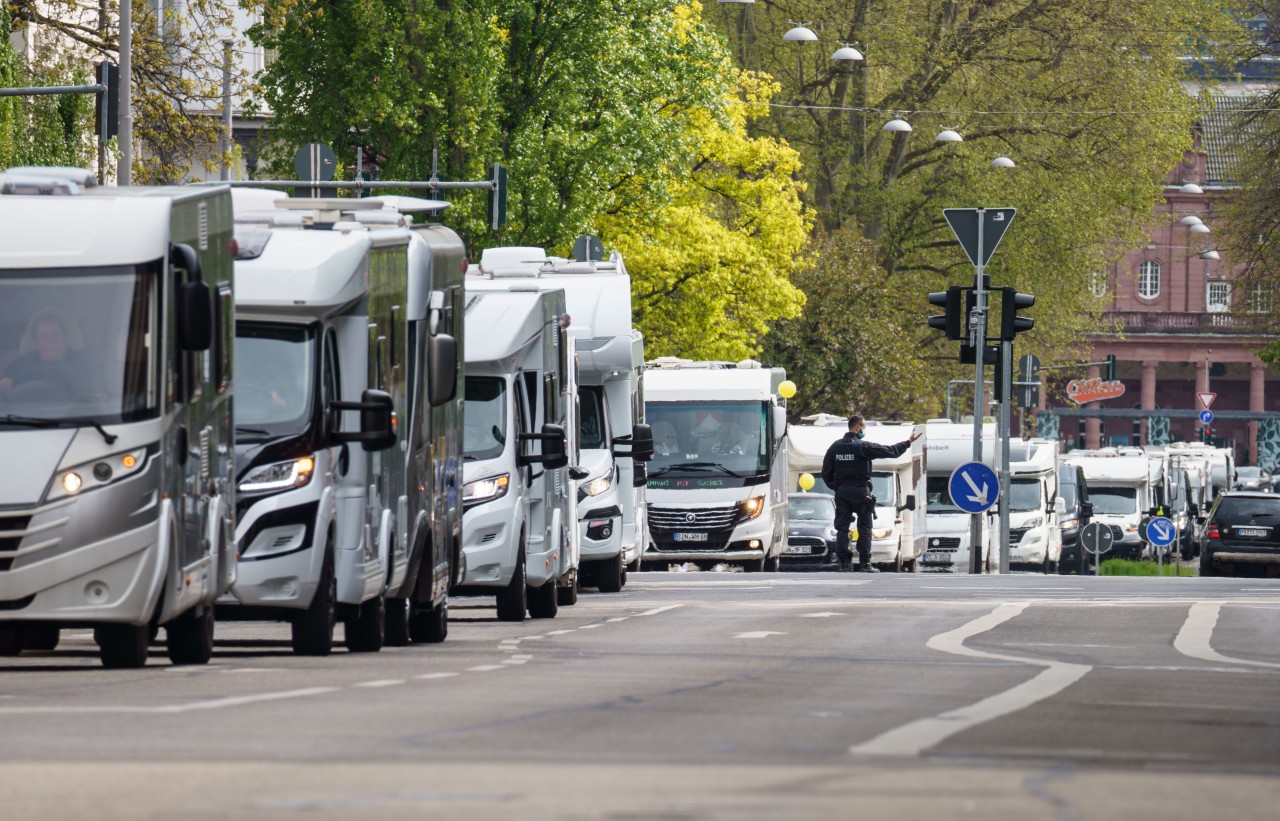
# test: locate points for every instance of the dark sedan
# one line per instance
(811, 536)
(1242, 532)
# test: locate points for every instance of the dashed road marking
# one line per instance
(655, 611)
(484, 668)
(758, 634)
(433, 676)
(386, 682)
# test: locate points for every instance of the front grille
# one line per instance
(947, 543)
(1116, 533)
(1016, 534)
(12, 529)
(692, 518)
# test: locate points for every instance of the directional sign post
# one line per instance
(974, 488)
(1161, 532)
(1206, 417)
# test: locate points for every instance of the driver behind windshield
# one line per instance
(52, 365)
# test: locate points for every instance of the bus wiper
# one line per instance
(37, 422)
(696, 466)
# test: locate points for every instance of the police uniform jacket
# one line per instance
(848, 462)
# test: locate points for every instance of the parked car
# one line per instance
(1073, 490)
(811, 534)
(1243, 530)
(1250, 477)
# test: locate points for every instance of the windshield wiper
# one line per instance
(37, 422)
(259, 431)
(697, 466)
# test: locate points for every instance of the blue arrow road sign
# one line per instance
(1160, 531)
(1206, 417)
(974, 487)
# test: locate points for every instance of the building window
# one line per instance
(1260, 298)
(1098, 283)
(1149, 279)
(1217, 297)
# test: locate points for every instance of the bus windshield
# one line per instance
(708, 437)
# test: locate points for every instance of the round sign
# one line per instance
(1096, 538)
(974, 487)
(1161, 531)
(315, 161)
(1206, 417)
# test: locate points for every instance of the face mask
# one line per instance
(862, 434)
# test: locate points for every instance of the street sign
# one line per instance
(315, 161)
(1096, 538)
(964, 224)
(974, 487)
(1206, 399)
(1206, 417)
(1161, 532)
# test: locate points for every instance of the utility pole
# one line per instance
(124, 174)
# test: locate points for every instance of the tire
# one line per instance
(42, 638)
(123, 646)
(397, 632)
(365, 632)
(1046, 566)
(568, 596)
(12, 641)
(634, 565)
(753, 566)
(773, 564)
(624, 575)
(513, 600)
(543, 603)
(189, 638)
(1206, 565)
(430, 626)
(313, 627)
(609, 574)
(910, 567)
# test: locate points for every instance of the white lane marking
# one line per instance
(524, 656)
(591, 626)
(532, 638)
(739, 586)
(558, 632)
(211, 704)
(516, 661)
(618, 618)
(823, 615)
(1197, 631)
(431, 676)
(484, 668)
(913, 738)
(655, 611)
(386, 682)
(758, 634)
(734, 582)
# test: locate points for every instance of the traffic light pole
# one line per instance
(1006, 379)
(978, 339)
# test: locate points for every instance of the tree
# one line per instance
(40, 130)
(177, 64)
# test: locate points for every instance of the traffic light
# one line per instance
(951, 322)
(1205, 433)
(1110, 373)
(1010, 323)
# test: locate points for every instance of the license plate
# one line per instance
(797, 550)
(941, 558)
(1251, 531)
(690, 537)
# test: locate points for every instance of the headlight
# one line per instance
(881, 532)
(751, 508)
(279, 475)
(1069, 523)
(1130, 528)
(99, 472)
(485, 490)
(832, 533)
(597, 486)
(1036, 522)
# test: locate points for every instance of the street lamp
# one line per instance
(948, 136)
(897, 124)
(1003, 162)
(800, 33)
(1191, 188)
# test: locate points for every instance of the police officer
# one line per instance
(847, 470)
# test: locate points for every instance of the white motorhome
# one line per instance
(1035, 536)
(950, 445)
(520, 508)
(610, 356)
(1189, 494)
(718, 480)
(899, 485)
(1221, 466)
(345, 310)
(1121, 491)
(117, 499)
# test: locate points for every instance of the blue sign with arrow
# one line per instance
(1206, 417)
(974, 487)
(1161, 532)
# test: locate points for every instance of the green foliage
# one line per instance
(1128, 567)
(41, 130)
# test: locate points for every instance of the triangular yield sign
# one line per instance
(1206, 399)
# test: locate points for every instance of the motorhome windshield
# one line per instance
(484, 434)
(699, 439)
(884, 489)
(274, 367)
(1025, 494)
(1068, 494)
(939, 492)
(79, 344)
(1116, 501)
(591, 417)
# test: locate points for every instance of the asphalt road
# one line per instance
(692, 696)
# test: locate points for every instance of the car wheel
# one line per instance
(42, 638)
(12, 641)
(608, 574)
(364, 633)
(430, 626)
(543, 601)
(122, 646)
(568, 595)
(513, 600)
(313, 627)
(397, 629)
(189, 638)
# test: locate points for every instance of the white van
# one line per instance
(1035, 534)
(1121, 491)
(949, 445)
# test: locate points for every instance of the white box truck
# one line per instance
(718, 480)
(117, 490)
(519, 503)
(898, 536)
(610, 357)
(344, 311)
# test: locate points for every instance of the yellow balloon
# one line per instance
(787, 389)
(806, 481)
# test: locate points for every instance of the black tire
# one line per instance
(189, 638)
(123, 646)
(568, 596)
(753, 566)
(365, 632)
(42, 638)
(624, 575)
(543, 601)
(12, 641)
(313, 627)
(397, 632)
(609, 574)
(430, 626)
(634, 565)
(772, 564)
(513, 600)
(910, 567)
(1206, 565)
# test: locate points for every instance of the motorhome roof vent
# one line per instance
(38, 180)
(824, 419)
(749, 364)
(251, 241)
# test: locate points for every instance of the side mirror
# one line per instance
(195, 316)
(1193, 509)
(909, 503)
(442, 360)
(377, 421)
(637, 446)
(779, 422)
(1086, 510)
(555, 448)
(1060, 506)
